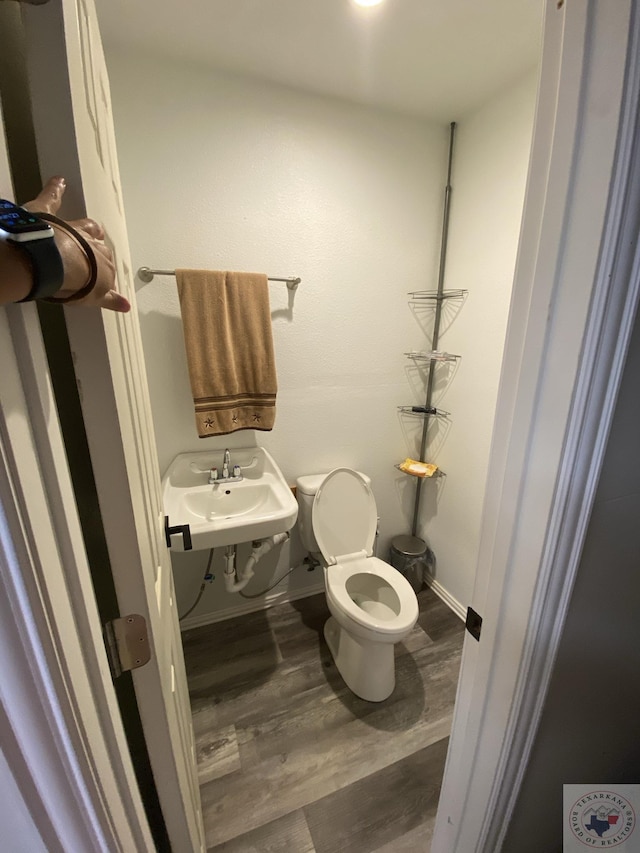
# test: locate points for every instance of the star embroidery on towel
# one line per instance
(209, 423)
(234, 418)
(256, 419)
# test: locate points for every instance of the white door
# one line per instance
(68, 782)
(75, 137)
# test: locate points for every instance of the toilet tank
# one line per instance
(306, 488)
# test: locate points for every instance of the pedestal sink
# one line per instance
(261, 504)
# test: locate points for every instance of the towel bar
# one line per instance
(145, 274)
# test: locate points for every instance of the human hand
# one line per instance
(76, 264)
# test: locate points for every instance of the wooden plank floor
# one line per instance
(290, 760)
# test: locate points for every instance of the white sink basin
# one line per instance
(227, 513)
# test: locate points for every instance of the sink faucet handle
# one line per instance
(237, 471)
(213, 475)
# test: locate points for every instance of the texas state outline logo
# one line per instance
(601, 819)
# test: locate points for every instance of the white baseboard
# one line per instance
(448, 599)
(249, 606)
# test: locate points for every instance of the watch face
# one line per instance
(16, 220)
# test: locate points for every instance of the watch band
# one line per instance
(46, 265)
(30, 232)
(27, 232)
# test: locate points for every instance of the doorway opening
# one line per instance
(288, 171)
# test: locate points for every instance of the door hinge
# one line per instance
(127, 643)
(473, 623)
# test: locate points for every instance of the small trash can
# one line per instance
(412, 557)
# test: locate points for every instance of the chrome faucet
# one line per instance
(226, 463)
(229, 474)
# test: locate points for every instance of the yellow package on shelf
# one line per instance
(418, 469)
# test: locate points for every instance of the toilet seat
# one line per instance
(344, 520)
(398, 595)
(344, 516)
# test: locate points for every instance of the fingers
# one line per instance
(114, 301)
(103, 249)
(90, 227)
(104, 293)
(49, 201)
(49, 198)
(94, 231)
(93, 234)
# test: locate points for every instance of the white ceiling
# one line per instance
(433, 58)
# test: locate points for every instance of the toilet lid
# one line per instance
(344, 515)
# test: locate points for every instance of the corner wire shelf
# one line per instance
(417, 412)
(435, 355)
(437, 299)
(437, 475)
(435, 295)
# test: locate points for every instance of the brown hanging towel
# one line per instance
(227, 331)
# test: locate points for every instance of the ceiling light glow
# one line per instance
(367, 2)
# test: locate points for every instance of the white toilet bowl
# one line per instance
(372, 605)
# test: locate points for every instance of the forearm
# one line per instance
(16, 277)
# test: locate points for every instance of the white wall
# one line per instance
(488, 182)
(221, 172)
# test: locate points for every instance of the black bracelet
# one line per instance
(91, 258)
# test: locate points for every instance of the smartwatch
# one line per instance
(35, 237)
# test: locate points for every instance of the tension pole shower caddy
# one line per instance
(435, 356)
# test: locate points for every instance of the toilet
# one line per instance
(372, 605)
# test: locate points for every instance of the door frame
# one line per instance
(575, 296)
(68, 752)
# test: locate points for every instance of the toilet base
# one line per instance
(368, 669)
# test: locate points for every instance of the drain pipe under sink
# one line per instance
(231, 581)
